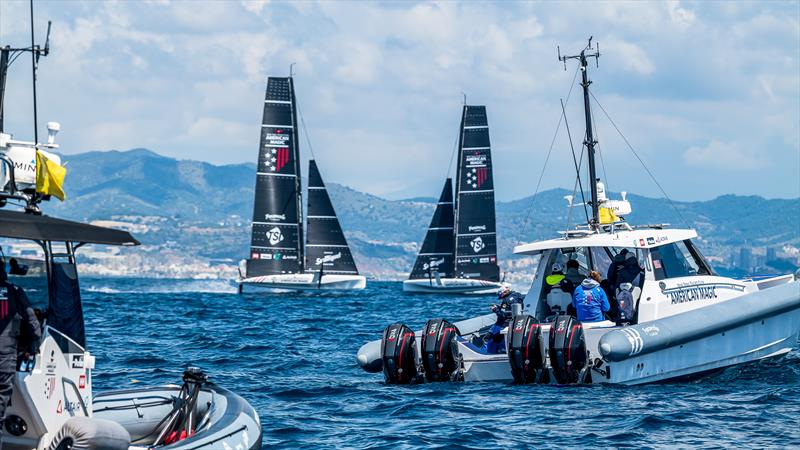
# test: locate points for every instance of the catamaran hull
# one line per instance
(303, 282)
(451, 286)
(231, 421)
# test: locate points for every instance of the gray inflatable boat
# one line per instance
(203, 416)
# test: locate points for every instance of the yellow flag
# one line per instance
(607, 216)
(49, 177)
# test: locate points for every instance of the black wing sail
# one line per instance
(326, 246)
(437, 252)
(276, 243)
(476, 242)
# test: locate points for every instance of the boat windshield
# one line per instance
(678, 259)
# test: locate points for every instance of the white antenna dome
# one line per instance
(52, 129)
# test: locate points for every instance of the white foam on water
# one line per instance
(162, 286)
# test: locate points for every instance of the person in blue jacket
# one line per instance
(590, 300)
(493, 341)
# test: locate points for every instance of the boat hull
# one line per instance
(303, 282)
(232, 422)
(451, 286)
(767, 324)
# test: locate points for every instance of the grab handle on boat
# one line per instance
(65, 380)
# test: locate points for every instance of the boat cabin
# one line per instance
(673, 275)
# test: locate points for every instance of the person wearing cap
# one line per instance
(493, 341)
(556, 275)
(19, 331)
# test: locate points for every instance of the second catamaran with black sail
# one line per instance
(459, 253)
(278, 258)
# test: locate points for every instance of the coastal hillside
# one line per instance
(197, 214)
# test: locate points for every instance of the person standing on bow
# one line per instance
(20, 331)
(590, 300)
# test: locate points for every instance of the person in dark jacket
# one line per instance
(493, 341)
(572, 277)
(624, 269)
(19, 332)
(590, 300)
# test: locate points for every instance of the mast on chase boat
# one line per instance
(589, 141)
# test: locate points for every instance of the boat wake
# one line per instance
(159, 286)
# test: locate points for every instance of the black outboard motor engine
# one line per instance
(438, 361)
(568, 356)
(525, 350)
(399, 354)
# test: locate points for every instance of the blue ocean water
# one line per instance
(293, 358)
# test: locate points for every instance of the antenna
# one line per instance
(7, 57)
(47, 40)
(589, 142)
(465, 97)
(291, 69)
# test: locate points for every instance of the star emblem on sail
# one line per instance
(280, 158)
(274, 236)
(477, 176)
(477, 244)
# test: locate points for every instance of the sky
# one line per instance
(707, 93)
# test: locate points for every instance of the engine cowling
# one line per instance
(438, 360)
(399, 354)
(525, 354)
(568, 356)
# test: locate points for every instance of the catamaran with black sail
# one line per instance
(459, 253)
(279, 259)
(673, 317)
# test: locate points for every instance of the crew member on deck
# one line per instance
(19, 331)
(589, 299)
(493, 341)
(556, 276)
(573, 274)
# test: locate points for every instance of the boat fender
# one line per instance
(438, 361)
(399, 355)
(672, 331)
(86, 433)
(568, 356)
(525, 350)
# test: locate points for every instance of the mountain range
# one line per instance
(194, 199)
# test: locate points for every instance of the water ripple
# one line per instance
(292, 357)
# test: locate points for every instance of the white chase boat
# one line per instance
(683, 320)
(279, 260)
(459, 253)
(53, 405)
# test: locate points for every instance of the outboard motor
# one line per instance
(399, 354)
(438, 361)
(525, 350)
(568, 356)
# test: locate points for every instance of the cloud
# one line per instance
(725, 155)
(380, 85)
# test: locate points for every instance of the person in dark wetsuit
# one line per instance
(19, 332)
(493, 341)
